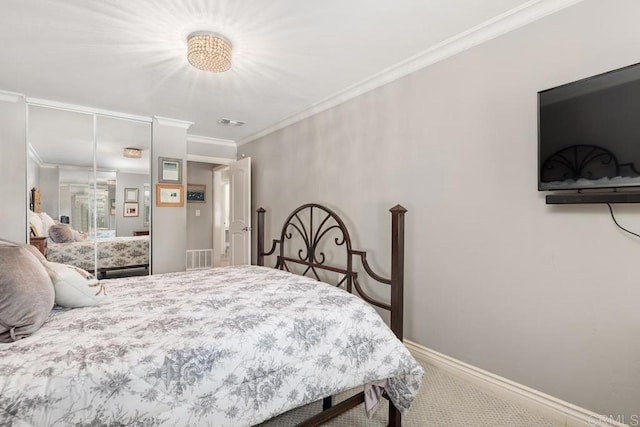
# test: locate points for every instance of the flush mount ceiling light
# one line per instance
(132, 153)
(209, 52)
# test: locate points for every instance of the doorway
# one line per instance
(200, 204)
(221, 236)
(218, 221)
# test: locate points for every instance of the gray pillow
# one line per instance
(61, 233)
(36, 253)
(26, 293)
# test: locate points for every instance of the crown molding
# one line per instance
(130, 171)
(7, 96)
(488, 30)
(210, 140)
(34, 155)
(166, 121)
(208, 159)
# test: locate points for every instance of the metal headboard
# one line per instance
(314, 223)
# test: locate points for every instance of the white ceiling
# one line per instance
(288, 55)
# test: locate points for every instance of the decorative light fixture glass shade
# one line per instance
(133, 153)
(209, 52)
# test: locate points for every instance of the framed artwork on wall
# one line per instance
(169, 195)
(169, 170)
(130, 209)
(196, 193)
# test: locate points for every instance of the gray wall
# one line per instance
(33, 173)
(50, 191)
(126, 225)
(13, 173)
(545, 296)
(169, 224)
(200, 228)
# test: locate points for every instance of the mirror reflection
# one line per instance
(77, 194)
(90, 175)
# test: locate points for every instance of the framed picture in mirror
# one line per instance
(131, 195)
(130, 209)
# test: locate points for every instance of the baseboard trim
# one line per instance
(565, 413)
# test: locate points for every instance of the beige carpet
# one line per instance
(444, 401)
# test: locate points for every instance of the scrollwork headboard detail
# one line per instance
(317, 225)
(584, 161)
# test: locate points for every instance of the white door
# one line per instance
(221, 216)
(240, 211)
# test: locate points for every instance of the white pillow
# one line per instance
(36, 223)
(78, 236)
(75, 287)
(47, 222)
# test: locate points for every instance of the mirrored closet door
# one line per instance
(89, 183)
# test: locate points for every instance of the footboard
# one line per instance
(315, 240)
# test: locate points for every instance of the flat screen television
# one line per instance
(589, 132)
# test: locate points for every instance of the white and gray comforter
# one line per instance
(113, 253)
(230, 347)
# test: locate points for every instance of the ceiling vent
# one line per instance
(230, 122)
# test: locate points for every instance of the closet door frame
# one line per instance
(95, 113)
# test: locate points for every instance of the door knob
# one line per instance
(245, 229)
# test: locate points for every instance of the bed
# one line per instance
(79, 250)
(114, 253)
(229, 346)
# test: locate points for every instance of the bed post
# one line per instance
(397, 269)
(260, 259)
(397, 289)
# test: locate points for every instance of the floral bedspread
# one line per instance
(228, 346)
(113, 252)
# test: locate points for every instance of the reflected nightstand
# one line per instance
(40, 243)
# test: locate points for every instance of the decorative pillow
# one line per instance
(36, 253)
(61, 233)
(35, 223)
(47, 222)
(26, 293)
(78, 236)
(75, 287)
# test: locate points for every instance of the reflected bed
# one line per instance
(114, 253)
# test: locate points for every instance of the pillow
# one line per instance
(26, 293)
(47, 222)
(75, 287)
(61, 233)
(36, 253)
(36, 225)
(78, 236)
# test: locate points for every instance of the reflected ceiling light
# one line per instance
(133, 153)
(209, 52)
